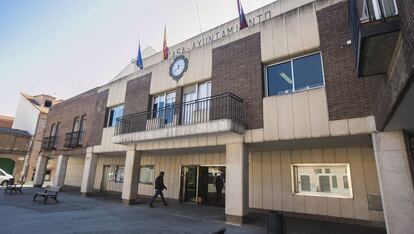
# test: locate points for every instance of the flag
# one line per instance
(242, 17)
(140, 64)
(164, 46)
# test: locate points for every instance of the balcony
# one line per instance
(221, 113)
(375, 27)
(73, 139)
(49, 143)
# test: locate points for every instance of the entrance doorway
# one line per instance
(203, 185)
(106, 174)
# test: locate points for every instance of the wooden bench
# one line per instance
(48, 192)
(17, 187)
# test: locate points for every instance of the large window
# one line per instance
(146, 174)
(163, 106)
(119, 174)
(113, 114)
(330, 180)
(295, 75)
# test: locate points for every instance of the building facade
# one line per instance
(31, 114)
(279, 113)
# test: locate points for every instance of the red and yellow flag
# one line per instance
(164, 46)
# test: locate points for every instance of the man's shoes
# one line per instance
(152, 206)
(165, 204)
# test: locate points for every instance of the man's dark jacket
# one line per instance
(159, 183)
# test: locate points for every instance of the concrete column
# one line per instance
(89, 171)
(60, 173)
(40, 171)
(395, 180)
(131, 175)
(237, 183)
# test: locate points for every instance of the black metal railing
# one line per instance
(73, 139)
(364, 11)
(49, 143)
(223, 106)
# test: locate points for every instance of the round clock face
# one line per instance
(178, 67)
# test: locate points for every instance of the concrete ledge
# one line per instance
(238, 220)
(206, 128)
(129, 201)
(86, 194)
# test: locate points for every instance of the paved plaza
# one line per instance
(105, 213)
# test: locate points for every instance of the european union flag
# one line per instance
(140, 64)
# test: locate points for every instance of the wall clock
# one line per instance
(178, 67)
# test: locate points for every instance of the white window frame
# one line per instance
(320, 194)
(293, 74)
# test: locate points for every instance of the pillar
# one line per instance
(395, 180)
(89, 171)
(131, 175)
(40, 171)
(60, 173)
(237, 183)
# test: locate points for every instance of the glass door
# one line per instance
(189, 184)
(105, 177)
(170, 109)
(189, 98)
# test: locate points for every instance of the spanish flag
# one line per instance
(164, 46)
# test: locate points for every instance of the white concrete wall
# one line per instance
(290, 34)
(26, 116)
(117, 92)
(271, 182)
(74, 171)
(304, 115)
(395, 180)
(294, 116)
(106, 142)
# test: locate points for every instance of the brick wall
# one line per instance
(65, 113)
(401, 75)
(237, 68)
(137, 95)
(99, 118)
(348, 96)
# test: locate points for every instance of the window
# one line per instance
(75, 126)
(48, 103)
(322, 180)
(119, 174)
(297, 74)
(47, 175)
(196, 111)
(146, 174)
(114, 114)
(163, 106)
(334, 182)
(53, 134)
(305, 183)
(345, 178)
(81, 129)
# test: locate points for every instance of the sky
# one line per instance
(66, 47)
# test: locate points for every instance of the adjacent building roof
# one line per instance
(40, 106)
(15, 132)
(6, 121)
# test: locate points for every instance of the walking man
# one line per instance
(159, 186)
